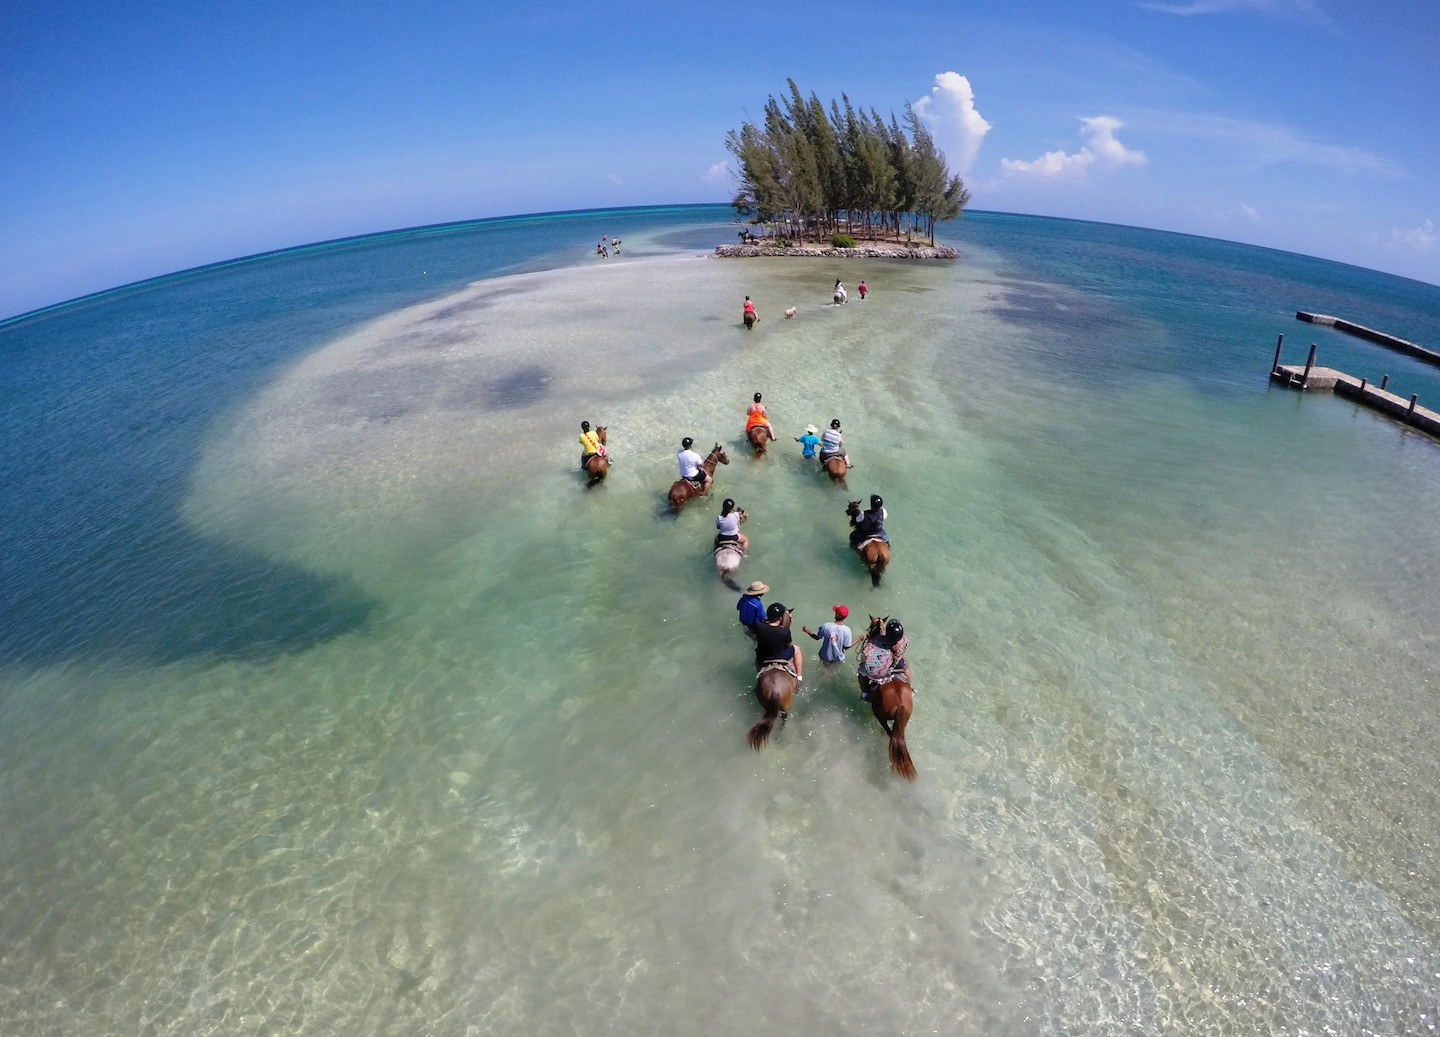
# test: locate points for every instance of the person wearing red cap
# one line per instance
(834, 637)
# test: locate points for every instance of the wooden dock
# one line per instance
(1380, 338)
(1309, 378)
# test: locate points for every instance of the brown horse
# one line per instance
(836, 467)
(892, 702)
(759, 435)
(681, 490)
(774, 688)
(596, 465)
(875, 553)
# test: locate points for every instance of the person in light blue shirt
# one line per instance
(834, 637)
(810, 441)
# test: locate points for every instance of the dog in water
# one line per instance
(790, 313)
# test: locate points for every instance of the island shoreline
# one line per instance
(829, 252)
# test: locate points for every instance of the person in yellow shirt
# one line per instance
(590, 444)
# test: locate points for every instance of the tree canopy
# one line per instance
(807, 170)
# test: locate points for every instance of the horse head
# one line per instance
(600, 433)
(853, 509)
(717, 453)
(877, 626)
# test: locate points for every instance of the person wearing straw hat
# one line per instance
(750, 607)
(810, 441)
(834, 636)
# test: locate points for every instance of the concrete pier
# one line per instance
(1327, 379)
(1371, 335)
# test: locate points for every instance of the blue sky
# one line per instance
(138, 139)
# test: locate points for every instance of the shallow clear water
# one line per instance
(332, 703)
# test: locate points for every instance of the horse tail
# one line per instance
(877, 569)
(900, 761)
(729, 581)
(760, 733)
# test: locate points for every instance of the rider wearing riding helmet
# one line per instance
(870, 523)
(728, 524)
(690, 466)
(773, 642)
(883, 659)
(832, 444)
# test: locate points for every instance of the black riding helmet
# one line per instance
(727, 506)
(775, 611)
(584, 426)
(834, 422)
(686, 443)
(875, 501)
(894, 629)
(757, 397)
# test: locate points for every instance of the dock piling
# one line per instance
(1384, 382)
(1309, 366)
(1278, 343)
(1414, 396)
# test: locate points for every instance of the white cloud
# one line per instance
(1421, 238)
(717, 173)
(1249, 212)
(1306, 9)
(615, 181)
(1265, 143)
(1100, 147)
(949, 113)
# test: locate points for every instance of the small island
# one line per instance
(842, 184)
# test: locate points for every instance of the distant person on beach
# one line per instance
(749, 315)
(861, 288)
(616, 243)
(834, 636)
(832, 443)
(728, 525)
(690, 469)
(810, 441)
(756, 416)
(750, 607)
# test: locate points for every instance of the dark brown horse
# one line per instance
(759, 435)
(836, 467)
(875, 553)
(892, 702)
(774, 688)
(681, 490)
(596, 465)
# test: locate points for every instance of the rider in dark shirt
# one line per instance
(773, 642)
(870, 523)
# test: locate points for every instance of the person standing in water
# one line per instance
(834, 637)
(861, 289)
(810, 441)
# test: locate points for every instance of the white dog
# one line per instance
(790, 313)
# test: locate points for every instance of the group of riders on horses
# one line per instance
(882, 649)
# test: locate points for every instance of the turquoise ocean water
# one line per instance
(331, 702)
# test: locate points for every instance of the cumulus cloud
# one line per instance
(614, 180)
(1101, 148)
(1421, 238)
(717, 173)
(948, 112)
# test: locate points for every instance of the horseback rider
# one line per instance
(590, 444)
(773, 642)
(690, 466)
(870, 523)
(882, 658)
(750, 607)
(756, 416)
(832, 443)
(728, 524)
(748, 314)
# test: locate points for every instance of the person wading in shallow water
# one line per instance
(834, 637)
(749, 314)
(750, 607)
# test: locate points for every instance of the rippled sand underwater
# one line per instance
(519, 800)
